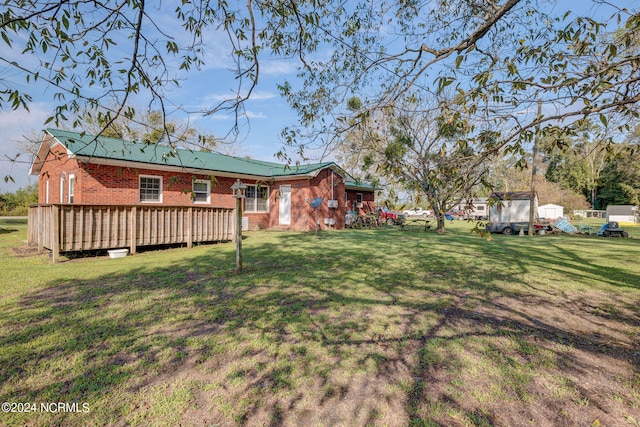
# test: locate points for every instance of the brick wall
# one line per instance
(56, 165)
(106, 184)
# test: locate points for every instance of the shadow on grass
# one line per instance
(349, 328)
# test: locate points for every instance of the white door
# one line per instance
(285, 205)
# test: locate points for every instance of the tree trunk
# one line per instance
(439, 215)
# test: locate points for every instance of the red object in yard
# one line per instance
(389, 216)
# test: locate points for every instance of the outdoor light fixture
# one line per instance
(238, 189)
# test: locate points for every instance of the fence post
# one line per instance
(134, 231)
(55, 233)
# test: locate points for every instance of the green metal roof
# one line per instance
(359, 185)
(102, 147)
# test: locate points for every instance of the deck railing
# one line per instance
(71, 227)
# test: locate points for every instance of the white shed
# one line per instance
(550, 211)
(511, 206)
(623, 214)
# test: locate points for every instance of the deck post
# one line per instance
(40, 228)
(55, 233)
(190, 227)
(134, 226)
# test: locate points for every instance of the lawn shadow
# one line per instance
(343, 328)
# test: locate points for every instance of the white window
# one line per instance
(358, 197)
(201, 191)
(72, 184)
(256, 198)
(63, 178)
(46, 194)
(150, 188)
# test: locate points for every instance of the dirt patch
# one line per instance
(25, 251)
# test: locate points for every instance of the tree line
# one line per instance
(17, 203)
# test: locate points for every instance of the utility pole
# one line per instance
(536, 140)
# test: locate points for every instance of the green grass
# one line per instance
(361, 327)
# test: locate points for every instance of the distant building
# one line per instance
(623, 214)
(550, 211)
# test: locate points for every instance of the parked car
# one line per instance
(388, 216)
(417, 212)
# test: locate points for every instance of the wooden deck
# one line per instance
(71, 227)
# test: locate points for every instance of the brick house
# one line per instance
(75, 168)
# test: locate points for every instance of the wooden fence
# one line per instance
(67, 228)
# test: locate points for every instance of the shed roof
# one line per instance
(511, 195)
(621, 210)
(105, 149)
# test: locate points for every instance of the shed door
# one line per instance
(285, 205)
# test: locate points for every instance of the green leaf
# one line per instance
(6, 39)
(603, 119)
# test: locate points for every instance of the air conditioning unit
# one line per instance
(332, 204)
(359, 205)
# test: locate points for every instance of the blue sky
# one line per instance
(267, 112)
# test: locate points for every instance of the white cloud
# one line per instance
(254, 115)
(255, 96)
(278, 67)
(247, 114)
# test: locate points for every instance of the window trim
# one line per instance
(255, 199)
(63, 181)
(201, 181)
(72, 188)
(140, 189)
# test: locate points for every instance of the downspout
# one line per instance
(331, 184)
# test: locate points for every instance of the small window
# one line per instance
(479, 208)
(63, 179)
(72, 184)
(256, 198)
(201, 191)
(358, 197)
(150, 189)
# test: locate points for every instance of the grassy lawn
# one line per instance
(358, 327)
